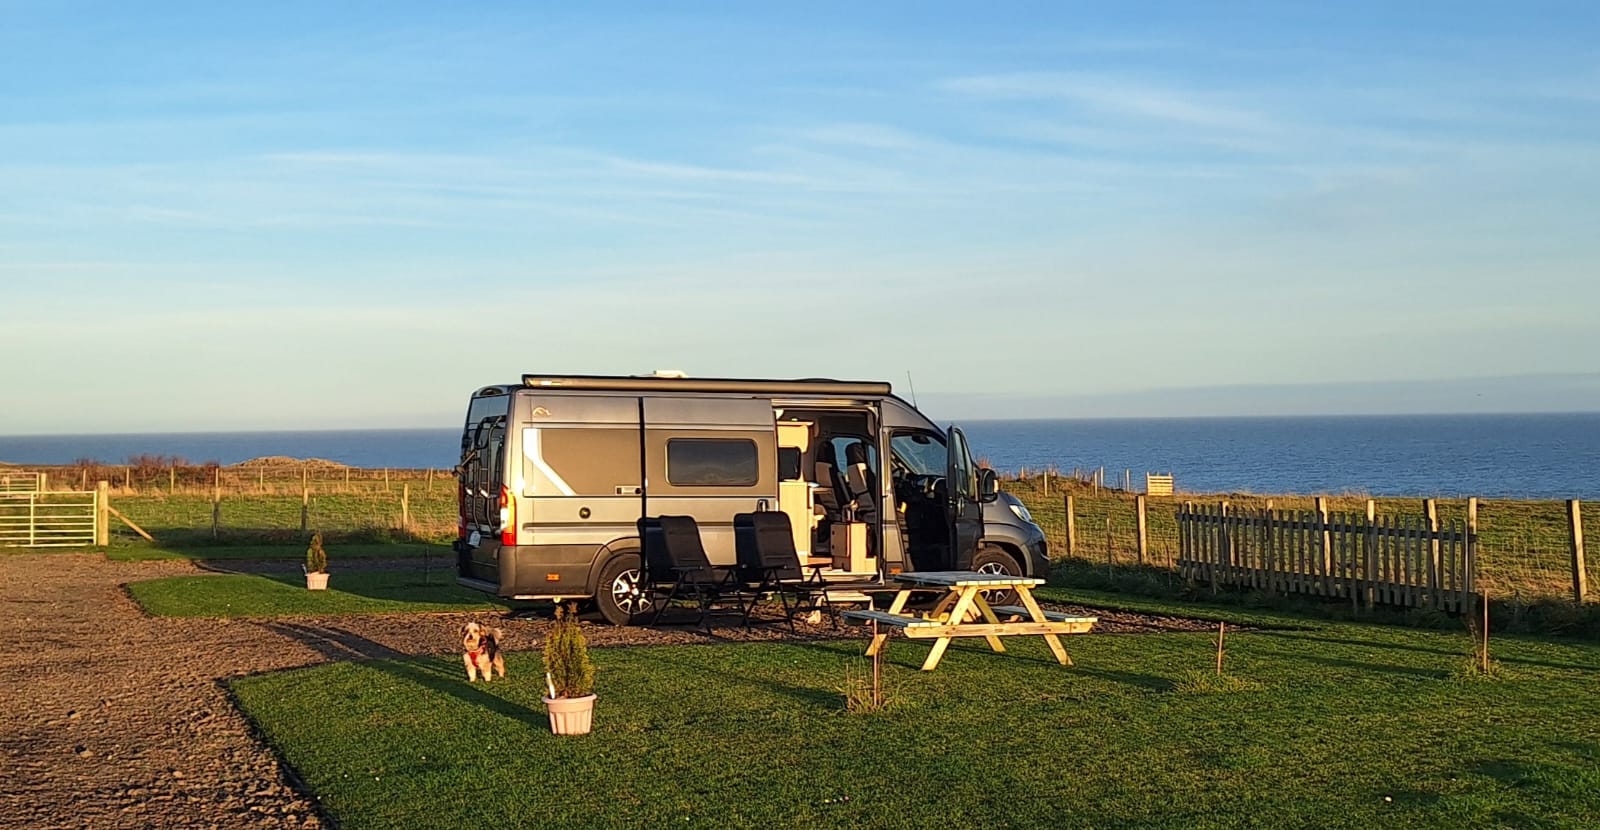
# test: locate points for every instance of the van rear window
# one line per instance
(712, 462)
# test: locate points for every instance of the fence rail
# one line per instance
(48, 520)
(21, 482)
(1408, 562)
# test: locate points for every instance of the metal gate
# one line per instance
(48, 520)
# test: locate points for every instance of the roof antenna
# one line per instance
(913, 385)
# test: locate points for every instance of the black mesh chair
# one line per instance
(769, 562)
(673, 555)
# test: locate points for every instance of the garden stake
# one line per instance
(877, 671)
(1222, 629)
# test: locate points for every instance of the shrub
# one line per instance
(316, 557)
(566, 656)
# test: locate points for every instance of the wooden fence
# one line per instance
(1403, 561)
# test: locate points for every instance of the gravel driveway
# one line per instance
(112, 718)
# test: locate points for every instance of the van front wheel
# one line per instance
(992, 559)
(620, 597)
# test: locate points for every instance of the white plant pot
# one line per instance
(317, 582)
(570, 715)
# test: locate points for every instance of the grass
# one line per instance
(278, 595)
(1348, 726)
(443, 558)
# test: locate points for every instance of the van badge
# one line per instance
(541, 412)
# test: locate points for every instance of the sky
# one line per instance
(221, 216)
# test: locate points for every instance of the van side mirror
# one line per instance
(988, 485)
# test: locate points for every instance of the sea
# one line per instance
(1492, 456)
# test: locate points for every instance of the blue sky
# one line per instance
(320, 215)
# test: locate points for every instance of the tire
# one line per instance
(997, 560)
(617, 595)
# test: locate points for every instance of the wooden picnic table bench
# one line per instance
(965, 589)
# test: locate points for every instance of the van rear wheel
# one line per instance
(620, 597)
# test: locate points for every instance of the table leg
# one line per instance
(988, 616)
(958, 613)
(880, 640)
(1028, 602)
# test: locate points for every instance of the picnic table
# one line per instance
(964, 598)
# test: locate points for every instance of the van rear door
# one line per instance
(480, 476)
(710, 458)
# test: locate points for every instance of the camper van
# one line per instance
(556, 471)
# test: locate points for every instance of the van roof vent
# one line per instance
(670, 373)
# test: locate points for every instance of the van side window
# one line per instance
(712, 462)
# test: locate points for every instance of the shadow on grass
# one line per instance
(340, 644)
(455, 684)
(1443, 652)
(333, 642)
(1135, 679)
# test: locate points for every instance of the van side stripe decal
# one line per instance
(535, 453)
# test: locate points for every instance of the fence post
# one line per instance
(1144, 538)
(305, 506)
(172, 479)
(1469, 555)
(1321, 506)
(1580, 577)
(1370, 549)
(1267, 550)
(405, 506)
(1225, 542)
(385, 478)
(127, 478)
(1072, 528)
(1430, 510)
(102, 512)
(216, 510)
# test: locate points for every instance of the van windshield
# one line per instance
(922, 453)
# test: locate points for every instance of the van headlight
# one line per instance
(1021, 510)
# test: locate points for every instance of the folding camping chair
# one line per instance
(768, 560)
(672, 551)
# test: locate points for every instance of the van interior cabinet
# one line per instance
(848, 541)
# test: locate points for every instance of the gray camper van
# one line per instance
(556, 471)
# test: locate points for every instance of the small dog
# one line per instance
(482, 647)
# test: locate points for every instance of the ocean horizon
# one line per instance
(1505, 456)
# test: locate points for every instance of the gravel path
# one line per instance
(111, 718)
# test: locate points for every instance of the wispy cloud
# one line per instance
(1117, 96)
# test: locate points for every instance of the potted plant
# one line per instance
(316, 566)
(568, 676)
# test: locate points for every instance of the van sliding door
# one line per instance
(710, 458)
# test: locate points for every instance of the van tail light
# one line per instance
(508, 516)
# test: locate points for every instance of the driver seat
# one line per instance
(860, 481)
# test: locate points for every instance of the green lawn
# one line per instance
(277, 595)
(1351, 726)
(441, 554)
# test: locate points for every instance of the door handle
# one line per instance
(761, 505)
